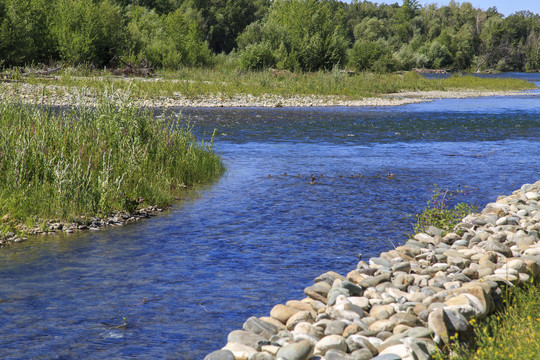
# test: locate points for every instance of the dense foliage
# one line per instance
(89, 161)
(305, 35)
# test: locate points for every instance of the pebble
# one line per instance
(405, 302)
(330, 342)
(282, 313)
(301, 350)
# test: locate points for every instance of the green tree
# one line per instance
(171, 40)
(303, 34)
(88, 32)
(373, 56)
(25, 36)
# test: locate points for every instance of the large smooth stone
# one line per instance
(260, 327)
(361, 354)
(355, 342)
(330, 342)
(282, 313)
(261, 356)
(387, 357)
(420, 350)
(447, 323)
(383, 325)
(240, 351)
(245, 338)
(321, 288)
(467, 305)
(334, 354)
(492, 245)
(301, 350)
(301, 316)
(306, 328)
(299, 305)
(375, 280)
(403, 318)
(400, 349)
(220, 355)
(335, 327)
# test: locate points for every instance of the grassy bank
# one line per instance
(89, 161)
(205, 81)
(512, 333)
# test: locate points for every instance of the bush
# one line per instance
(170, 41)
(372, 56)
(24, 33)
(88, 32)
(304, 34)
(438, 212)
(257, 57)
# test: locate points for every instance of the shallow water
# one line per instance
(186, 278)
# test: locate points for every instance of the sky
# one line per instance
(505, 7)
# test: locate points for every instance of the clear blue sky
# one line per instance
(505, 7)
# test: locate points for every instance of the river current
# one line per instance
(183, 280)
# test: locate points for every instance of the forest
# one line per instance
(294, 35)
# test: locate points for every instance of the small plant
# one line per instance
(439, 212)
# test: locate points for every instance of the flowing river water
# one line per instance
(186, 278)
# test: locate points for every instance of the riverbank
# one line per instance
(88, 167)
(409, 301)
(64, 96)
(197, 88)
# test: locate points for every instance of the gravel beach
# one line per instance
(63, 96)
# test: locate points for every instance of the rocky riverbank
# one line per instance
(53, 227)
(409, 300)
(53, 95)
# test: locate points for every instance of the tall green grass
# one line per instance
(89, 161)
(194, 82)
(512, 333)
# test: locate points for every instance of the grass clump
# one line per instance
(440, 213)
(89, 161)
(512, 333)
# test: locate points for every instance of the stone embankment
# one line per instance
(408, 301)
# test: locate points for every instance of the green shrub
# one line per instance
(257, 57)
(172, 40)
(25, 36)
(303, 34)
(88, 32)
(438, 212)
(372, 56)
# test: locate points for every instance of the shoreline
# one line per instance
(61, 96)
(94, 223)
(409, 301)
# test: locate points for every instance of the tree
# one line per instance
(303, 34)
(25, 36)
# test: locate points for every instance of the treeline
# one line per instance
(295, 35)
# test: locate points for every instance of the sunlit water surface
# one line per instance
(186, 278)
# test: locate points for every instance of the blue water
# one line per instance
(186, 278)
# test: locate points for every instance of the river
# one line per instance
(186, 278)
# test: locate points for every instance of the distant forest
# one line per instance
(295, 35)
